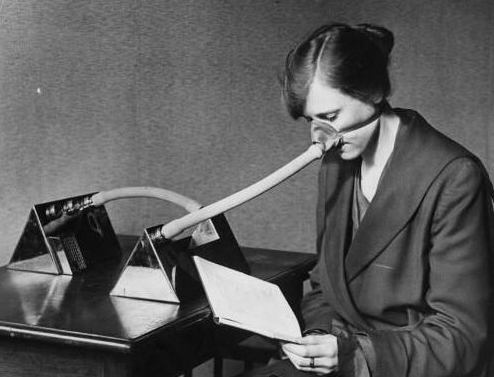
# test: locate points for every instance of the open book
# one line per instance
(246, 302)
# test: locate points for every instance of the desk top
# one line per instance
(78, 310)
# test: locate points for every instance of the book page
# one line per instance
(252, 303)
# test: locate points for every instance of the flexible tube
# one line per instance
(145, 192)
(175, 227)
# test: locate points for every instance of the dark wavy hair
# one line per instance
(353, 59)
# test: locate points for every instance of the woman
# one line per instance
(404, 219)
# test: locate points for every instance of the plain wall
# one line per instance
(103, 94)
(184, 95)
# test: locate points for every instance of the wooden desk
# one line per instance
(70, 326)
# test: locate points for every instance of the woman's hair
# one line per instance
(353, 59)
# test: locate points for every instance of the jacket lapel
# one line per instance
(400, 191)
(334, 213)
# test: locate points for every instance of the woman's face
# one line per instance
(326, 106)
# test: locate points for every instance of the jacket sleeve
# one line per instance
(449, 341)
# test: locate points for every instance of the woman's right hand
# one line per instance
(313, 353)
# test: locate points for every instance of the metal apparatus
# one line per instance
(70, 235)
(162, 269)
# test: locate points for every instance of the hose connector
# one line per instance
(69, 207)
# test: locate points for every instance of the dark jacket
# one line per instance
(413, 287)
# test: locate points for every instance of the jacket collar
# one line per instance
(334, 206)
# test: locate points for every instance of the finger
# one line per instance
(305, 362)
(321, 365)
(312, 350)
(317, 370)
(321, 345)
(294, 358)
(300, 349)
(299, 362)
(318, 339)
(297, 349)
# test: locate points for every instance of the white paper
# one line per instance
(243, 301)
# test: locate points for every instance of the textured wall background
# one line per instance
(184, 95)
(100, 94)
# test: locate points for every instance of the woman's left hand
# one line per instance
(315, 353)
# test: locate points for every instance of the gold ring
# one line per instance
(312, 363)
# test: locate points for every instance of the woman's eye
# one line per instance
(328, 117)
(323, 119)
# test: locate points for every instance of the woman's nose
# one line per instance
(325, 134)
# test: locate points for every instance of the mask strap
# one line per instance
(379, 110)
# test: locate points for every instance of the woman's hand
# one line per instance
(315, 353)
